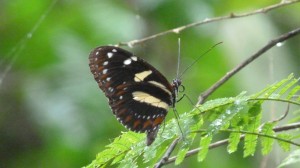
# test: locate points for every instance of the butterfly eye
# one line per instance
(138, 94)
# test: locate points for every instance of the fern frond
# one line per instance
(284, 145)
(240, 115)
(234, 139)
(117, 150)
(251, 140)
(267, 143)
(204, 145)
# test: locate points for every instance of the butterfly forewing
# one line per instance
(138, 94)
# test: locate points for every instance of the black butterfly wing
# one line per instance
(138, 94)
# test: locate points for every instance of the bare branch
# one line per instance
(165, 158)
(235, 70)
(205, 21)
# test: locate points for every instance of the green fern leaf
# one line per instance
(128, 163)
(204, 145)
(190, 124)
(250, 145)
(291, 83)
(164, 137)
(276, 86)
(284, 145)
(234, 139)
(116, 150)
(250, 139)
(228, 114)
(255, 109)
(293, 92)
(181, 155)
(267, 143)
(117, 159)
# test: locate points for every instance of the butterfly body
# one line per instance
(138, 94)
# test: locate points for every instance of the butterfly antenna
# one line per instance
(207, 51)
(178, 59)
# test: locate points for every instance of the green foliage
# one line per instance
(284, 145)
(234, 139)
(117, 150)
(181, 155)
(204, 146)
(267, 143)
(251, 139)
(239, 116)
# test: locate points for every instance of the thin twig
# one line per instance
(166, 156)
(229, 74)
(209, 20)
(253, 133)
(226, 141)
(274, 99)
(283, 116)
(287, 127)
(263, 135)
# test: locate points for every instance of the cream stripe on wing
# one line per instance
(160, 86)
(138, 77)
(147, 98)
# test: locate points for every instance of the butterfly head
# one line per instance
(176, 83)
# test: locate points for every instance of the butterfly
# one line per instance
(138, 94)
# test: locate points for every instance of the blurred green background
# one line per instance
(52, 113)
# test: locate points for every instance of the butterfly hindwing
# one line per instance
(138, 94)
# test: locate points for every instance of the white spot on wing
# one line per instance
(105, 63)
(97, 53)
(114, 50)
(108, 79)
(134, 58)
(104, 71)
(127, 61)
(109, 54)
(110, 89)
